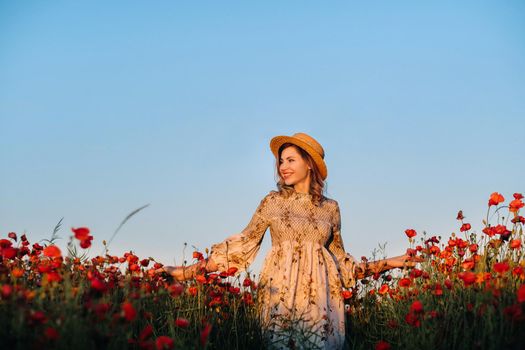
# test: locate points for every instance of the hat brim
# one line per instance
(278, 141)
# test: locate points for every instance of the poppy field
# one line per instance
(468, 293)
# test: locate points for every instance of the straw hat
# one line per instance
(306, 142)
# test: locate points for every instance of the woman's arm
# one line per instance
(238, 250)
(183, 273)
(366, 269)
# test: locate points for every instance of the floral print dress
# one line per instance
(302, 277)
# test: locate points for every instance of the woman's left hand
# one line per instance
(404, 261)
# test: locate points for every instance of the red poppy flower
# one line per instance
(53, 277)
(234, 290)
(5, 243)
(86, 243)
(412, 319)
(410, 233)
(131, 258)
(462, 243)
(231, 271)
(465, 227)
(517, 196)
(134, 267)
(98, 285)
(405, 282)
(489, 231)
(495, 199)
(346, 294)
(52, 251)
(434, 250)
(128, 311)
(198, 255)
(9, 253)
(215, 301)
(24, 251)
(411, 252)
(501, 230)
(17, 272)
(12, 235)
(416, 307)
(192, 291)
(501, 267)
(6, 291)
(460, 215)
(467, 277)
(182, 322)
(176, 289)
(519, 272)
(164, 342)
(515, 244)
(384, 289)
(438, 289)
(468, 264)
(518, 219)
(432, 239)
(247, 298)
(81, 233)
(201, 279)
(448, 283)
(44, 267)
(247, 282)
(521, 293)
(383, 345)
(515, 205)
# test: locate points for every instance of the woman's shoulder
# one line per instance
(271, 196)
(269, 201)
(330, 205)
(330, 201)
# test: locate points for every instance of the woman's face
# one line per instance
(292, 167)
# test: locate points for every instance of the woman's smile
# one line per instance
(294, 170)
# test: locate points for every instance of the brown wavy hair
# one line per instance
(316, 184)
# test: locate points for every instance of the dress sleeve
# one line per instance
(346, 262)
(239, 250)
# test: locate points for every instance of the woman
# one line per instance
(300, 285)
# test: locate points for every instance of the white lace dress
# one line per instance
(300, 285)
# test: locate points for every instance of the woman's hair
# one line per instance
(316, 184)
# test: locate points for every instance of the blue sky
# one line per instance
(105, 107)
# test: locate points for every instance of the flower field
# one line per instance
(469, 293)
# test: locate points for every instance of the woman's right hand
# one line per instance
(182, 273)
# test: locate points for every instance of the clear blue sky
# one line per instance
(107, 106)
